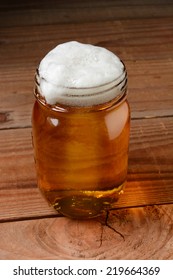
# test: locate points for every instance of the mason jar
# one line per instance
(81, 151)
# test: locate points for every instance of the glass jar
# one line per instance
(81, 152)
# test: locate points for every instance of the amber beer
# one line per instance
(81, 152)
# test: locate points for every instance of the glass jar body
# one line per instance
(81, 156)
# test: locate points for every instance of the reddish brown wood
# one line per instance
(136, 233)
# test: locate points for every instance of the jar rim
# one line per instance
(90, 96)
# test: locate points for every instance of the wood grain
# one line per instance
(137, 39)
(138, 233)
(75, 11)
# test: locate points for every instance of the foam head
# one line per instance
(79, 75)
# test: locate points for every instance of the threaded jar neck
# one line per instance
(88, 98)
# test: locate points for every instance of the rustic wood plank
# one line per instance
(36, 13)
(24, 5)
(136, 233)
(131, 39)
(150, 178)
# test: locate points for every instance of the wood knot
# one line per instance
(4, 117)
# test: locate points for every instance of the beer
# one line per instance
(81, 147)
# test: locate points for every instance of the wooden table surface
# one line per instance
(141, 33)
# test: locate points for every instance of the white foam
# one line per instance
(77, 74)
